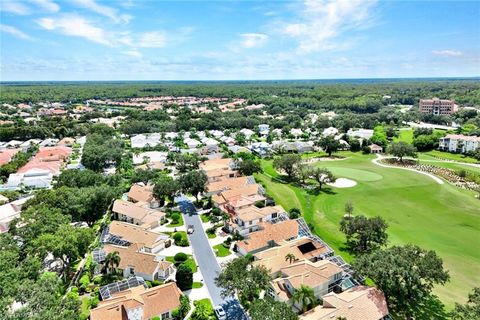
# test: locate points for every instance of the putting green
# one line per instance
(354, 174)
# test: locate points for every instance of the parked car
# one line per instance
(190, 229)
(220, 313)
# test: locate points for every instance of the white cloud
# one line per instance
(14, 7)
(134, 53)
(152, 39)
(47, 5)
(252, 40)
(447, 53)
(14, 32)
(323, 21)
(74, 25)
(106, 11)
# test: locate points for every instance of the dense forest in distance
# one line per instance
(321, 94)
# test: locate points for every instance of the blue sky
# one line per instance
(229, 40)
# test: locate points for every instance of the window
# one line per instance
(166, 315)
(274, 215)
(132, 271)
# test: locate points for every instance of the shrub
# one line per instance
(84, 282)
(175, 217)
(180, 257)
(184, 277)
(183, 243)
(216, 211)
(294, 213)
(93, 302)
(177, 237)
(156, 283)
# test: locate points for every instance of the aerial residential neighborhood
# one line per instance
(239, 160)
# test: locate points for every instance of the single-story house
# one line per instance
(375, 148)
(139, 303)
(137, 213)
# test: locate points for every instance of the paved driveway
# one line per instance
(206, 261)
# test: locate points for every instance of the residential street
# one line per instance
(207, 261)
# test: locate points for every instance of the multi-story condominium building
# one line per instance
(459, 143)
(437, 106)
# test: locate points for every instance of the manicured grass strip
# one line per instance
(197, 285)
(221, 251)
(451, 156)
(205, 218)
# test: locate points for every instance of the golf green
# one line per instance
(418, 210)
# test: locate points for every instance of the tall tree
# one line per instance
(329, 144)
(322, 176)
(287, 163)
(402, 149)
(165, 188)
(305, 296)
(112, 261)
(290, 257)
(240, 277)
(184, 277)
(304, 171)
(193, 182)
(269, 309)
(405, 274)
(364, 234)
(248, 167)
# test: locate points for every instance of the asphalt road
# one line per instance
(207, 262)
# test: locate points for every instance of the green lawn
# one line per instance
(405, 134)
(189, 262)
(197, 285)
(178, 224)
(221, 251)
(84, 308)
(418, 210)
(207, 304)
(205, 218)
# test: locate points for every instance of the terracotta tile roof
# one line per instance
(215, 173)
(215, 164)
(303, 248)
(462, 137)
(6, 155)
(131, 257)
(154, 302)
(136, 234)
(47, 158)
(137, 211)
(227, 184)
(141, 193)
(358, 303)
(276, 233)
(254, 213)
(305, 272)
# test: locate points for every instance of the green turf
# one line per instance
(418, 210)
(189, 262)
(197, 285)
(221, 251)
(178, 224)
(405, 134)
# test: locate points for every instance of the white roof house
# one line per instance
(264, 129)
(296, 132)
(330, 131)
(247, 132)
(35, 178)
(191, 143)
(360, 133)
(144, 140)
(150, 156)
(217, 133)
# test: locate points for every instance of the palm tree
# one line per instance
(112, 260)
(290, 257)
(306, 297)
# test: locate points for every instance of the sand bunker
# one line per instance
(343, 183)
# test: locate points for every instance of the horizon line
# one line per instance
(255, 80)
